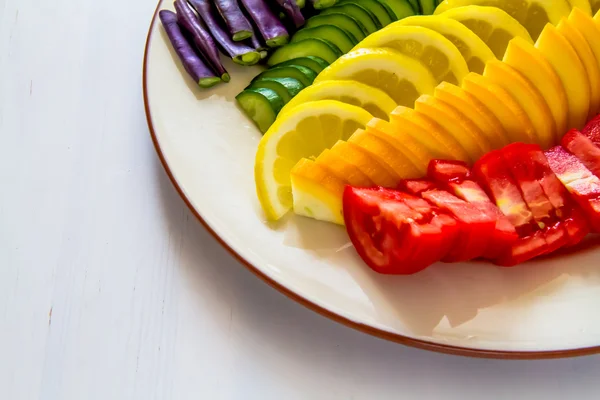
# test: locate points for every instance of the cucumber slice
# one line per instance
(335, 35)
(307, 47)
(286, 88)
(359, 13)
(344, 21)
(427, 6)
(403, 8)
(317, 64)
(321, 4)
(306, 76)
(261, 105)
(378, 9)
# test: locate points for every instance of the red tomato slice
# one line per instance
(476, 228)
(583, 148)
(574, 222)
(576, 226)
(470, 192)
(455, 176)
(493, 175)
(583, 186)
(448, 170)
(505, 234)
(553, 188)
(523, 249)
(522, 169)
(556, 237)
(395, 233)
(447, 223)
(416, 186)
(527, 174)
(592, 130)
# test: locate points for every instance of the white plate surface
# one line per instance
(540, 309)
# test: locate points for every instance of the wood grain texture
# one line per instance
(110, 289)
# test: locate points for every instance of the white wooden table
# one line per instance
(110, 289)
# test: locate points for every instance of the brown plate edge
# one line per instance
(405, 340)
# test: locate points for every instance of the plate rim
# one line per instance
(298, 298)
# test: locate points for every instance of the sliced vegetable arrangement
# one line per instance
(515, 204)
(246, 30)
(531, 96)
(430, 137)
(202, 24)
(408, 57)
(326, 37)
(481, 196)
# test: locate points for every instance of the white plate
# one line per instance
(546, 308)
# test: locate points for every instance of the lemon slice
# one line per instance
(585, 54)
(442, 7)
(303, 132)
(401, 77)
(532, 14)
(565, 61)
(513, 118)
(583, 5)
(530, 62)
(585, 25)
(475, 110)
(492, 25)
(374, 100)
(317, 192)
(474, 50)
(432, 49)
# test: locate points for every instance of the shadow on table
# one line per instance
(319, 346)
(454, 292)
(458, 291)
